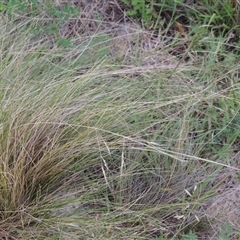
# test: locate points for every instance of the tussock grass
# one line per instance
(109, 151)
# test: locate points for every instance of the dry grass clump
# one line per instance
(91, 149)
(62, 134)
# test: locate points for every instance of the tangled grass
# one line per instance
(96, 149)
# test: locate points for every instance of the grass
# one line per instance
(92, 148)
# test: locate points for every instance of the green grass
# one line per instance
(96, 149)
(217, 16)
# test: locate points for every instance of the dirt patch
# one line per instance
(224, 209)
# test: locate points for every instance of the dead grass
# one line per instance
(98, 147)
